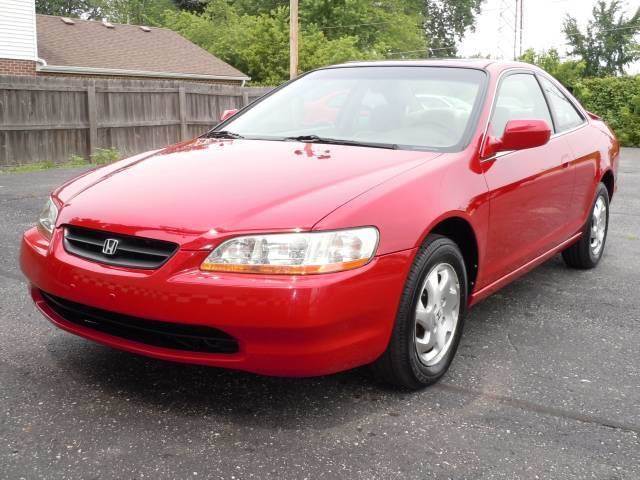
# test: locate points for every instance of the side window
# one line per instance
(567, 117)
(519, 98)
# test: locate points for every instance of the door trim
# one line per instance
(484, 292)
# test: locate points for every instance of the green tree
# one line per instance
(257, 41)
(445, 23)
(569, 72)
(136, 12)
(379, 27)
(258, 7)
(608, 45)
(191, 5)
(70, 8)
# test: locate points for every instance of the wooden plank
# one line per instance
(43, 126)
(45, 88)
(182, 105)
(228, 93)
(93, 118)
(136, 90)
(202, 122)
(139, 123)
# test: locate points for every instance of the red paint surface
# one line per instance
(522, 207)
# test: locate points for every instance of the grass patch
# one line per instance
(102, 156)
(30, 167)
(39, 166)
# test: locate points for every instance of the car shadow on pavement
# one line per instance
(239, 397)
(292, 403)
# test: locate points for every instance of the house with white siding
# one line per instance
(44, 45)
(18, 39)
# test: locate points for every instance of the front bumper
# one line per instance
(284, 325)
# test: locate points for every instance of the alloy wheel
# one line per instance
(437, 313)
(598, 226)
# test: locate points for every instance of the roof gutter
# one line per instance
(134, 73)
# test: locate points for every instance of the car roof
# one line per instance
(477, 63)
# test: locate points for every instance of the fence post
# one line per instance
(245, 99)
(182, 105)
(93, 118)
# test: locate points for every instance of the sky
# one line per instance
(542, 27)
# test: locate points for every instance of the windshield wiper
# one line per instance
(338, 141)
(222, 134)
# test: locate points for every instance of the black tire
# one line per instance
(400, 364)
(581, 255)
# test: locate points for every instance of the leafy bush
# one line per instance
(102, 156)
(76, 161)
(617, 101)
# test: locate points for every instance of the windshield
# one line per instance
(407, 107)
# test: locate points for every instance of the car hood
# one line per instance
(203, 189)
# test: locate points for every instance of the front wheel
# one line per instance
(430, 318)
(587, 252)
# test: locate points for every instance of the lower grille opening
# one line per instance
(176, 336)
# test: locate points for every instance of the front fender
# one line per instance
(407, 207)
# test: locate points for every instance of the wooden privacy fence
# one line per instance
(46, 118)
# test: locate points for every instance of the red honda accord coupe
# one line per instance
(284, 245)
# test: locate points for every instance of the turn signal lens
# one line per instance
(47, 218)
(295, 253)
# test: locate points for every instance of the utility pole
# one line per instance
(505, 10)
(515, 32)
(521, 23)
(293, 38)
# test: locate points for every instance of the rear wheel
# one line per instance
(587, 252)
(430, 318)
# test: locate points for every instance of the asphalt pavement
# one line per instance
(546, 384)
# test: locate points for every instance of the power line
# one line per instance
(495, 9)
(421, 50)
(426, 50)
(356, 25)
(448, 48)
(353, 25)
(637, 27)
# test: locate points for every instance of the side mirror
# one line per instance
(228, 113)
(518, 135)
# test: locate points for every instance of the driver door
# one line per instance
(530, 189)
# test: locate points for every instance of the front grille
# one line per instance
(175, 336)
(133, 252)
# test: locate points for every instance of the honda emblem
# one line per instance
(110, 246)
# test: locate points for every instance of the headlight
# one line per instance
(47, 218)
(295, 253)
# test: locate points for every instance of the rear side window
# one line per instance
(519, 98)
(567, 117)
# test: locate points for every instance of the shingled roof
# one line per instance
(91, 47)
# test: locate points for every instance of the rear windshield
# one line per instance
(430, 108)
